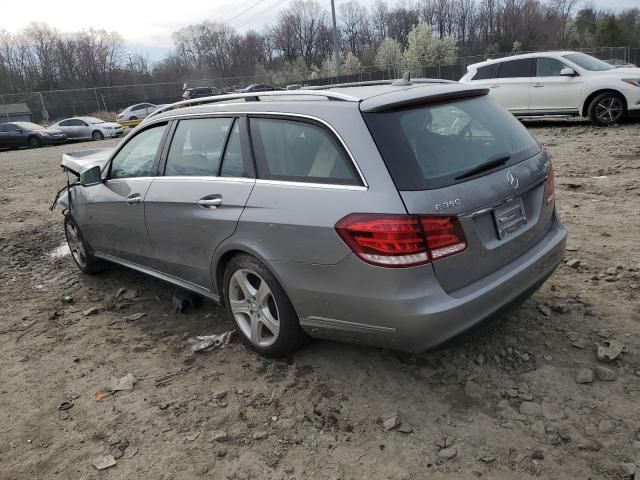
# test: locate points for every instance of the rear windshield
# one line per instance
(433, 146)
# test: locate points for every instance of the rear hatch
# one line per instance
(468, 158)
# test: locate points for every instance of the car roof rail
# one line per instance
(368, 83)
(254, 97)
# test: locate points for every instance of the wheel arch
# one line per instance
(223, 256)
(585, 107)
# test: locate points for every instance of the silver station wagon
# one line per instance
(397, 214)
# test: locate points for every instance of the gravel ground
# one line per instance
(505, 403)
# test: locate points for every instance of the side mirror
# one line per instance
(91, 176)
(568, 72)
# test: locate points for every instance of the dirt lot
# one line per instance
(504, 404)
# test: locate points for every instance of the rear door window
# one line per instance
(521, 68)
(196, 148)
(433, 146)
(235, 162)
(292, 150)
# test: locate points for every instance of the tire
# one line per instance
(263, 315)
(607, 109)
(80, 251)
(97, 135)
(34, 142)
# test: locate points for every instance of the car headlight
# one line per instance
(632, 81)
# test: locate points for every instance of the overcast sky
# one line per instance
(147, 25)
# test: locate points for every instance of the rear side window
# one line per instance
(486, 72)
(549, 67)
(299, 151)
(432, 146)
(516, 68)
(196, 148)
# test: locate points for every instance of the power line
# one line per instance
(260, 13)
(228, 20)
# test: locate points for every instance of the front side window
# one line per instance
(549, 67)
(197, 147)
(298, 151)
(137, 157)
(515, 68)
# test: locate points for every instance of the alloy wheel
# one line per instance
(75, 245)
(609, 110)
(254, 307)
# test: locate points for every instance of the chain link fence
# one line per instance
(50, 106)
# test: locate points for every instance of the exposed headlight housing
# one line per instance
(632, 81)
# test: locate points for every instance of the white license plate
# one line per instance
(509, 217)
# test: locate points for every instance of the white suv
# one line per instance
(560, 83)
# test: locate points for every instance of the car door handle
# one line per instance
(494, 86)
(210, 201)
(537, 85)
(134, 198)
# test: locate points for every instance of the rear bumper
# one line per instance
(406, 309)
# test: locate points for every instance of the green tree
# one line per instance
(424, 49)
(389, 55)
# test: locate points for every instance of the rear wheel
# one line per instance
(607, 109)
(97, 135)
(258, 305)
(80, 251)
(34, 142)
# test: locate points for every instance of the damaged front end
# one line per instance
(75, 164)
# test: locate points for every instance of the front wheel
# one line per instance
(80, 251)
(98, 135)
(607, 109)
(258, 305)
(34, 142)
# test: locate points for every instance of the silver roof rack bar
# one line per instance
(368, 83)
(254, 96)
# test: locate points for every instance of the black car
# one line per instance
(199, 92)
(26, 134)
(258, 87)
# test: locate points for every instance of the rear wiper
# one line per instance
(496, 161)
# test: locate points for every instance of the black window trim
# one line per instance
(156, 160)
(314, 181)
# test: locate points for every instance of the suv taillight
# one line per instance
(401, 240)
(550, 189)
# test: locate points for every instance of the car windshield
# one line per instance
(588, 62)
(29, 126)
(92, 120)
(439, 145)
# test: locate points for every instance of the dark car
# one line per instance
(200, 92)
(258, 87)
(26, 134)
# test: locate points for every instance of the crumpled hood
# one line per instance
(78, 162)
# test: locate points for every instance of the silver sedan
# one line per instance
(88, 127)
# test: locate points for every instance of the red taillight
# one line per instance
(444, 236)
(550, 190)
(401, 240)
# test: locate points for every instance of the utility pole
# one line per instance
(336, 40)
